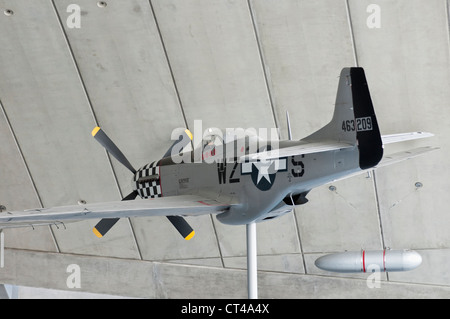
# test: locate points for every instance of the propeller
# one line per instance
(182, 226)
(106, 142)
(104, 225)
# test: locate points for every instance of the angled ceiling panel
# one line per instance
(340, 218)
(123, 64)
(140, 68)
(305, 44)
(17, 192)
(47, 108)
(214, 55)
(50, 115)
(408, 65)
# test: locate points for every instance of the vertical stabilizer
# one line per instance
(354, 119)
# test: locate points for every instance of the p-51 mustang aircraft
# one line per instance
(251, 186)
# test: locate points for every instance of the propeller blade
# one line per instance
(184, 139)
(131, 196)
(107, 143)
(104, 225)
(182, 226)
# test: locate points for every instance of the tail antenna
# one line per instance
(288, 126)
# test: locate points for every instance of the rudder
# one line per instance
(368, 134)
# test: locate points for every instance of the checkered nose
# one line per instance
(147, 181)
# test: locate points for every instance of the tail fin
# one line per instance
(354, 119)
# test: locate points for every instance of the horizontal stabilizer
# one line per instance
(405, 155)
(394, 158)
(402, 137)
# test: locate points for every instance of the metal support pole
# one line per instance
(252, 275)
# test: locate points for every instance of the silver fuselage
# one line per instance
(264, 190)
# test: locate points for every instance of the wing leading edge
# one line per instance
(185, 205)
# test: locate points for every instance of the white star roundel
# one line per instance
(263, 172)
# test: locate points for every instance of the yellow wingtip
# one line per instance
(95, 131)
(189, 134)
(97, 233)
(189, 237)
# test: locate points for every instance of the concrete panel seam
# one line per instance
(19, 149)
(263, 64)
(447, 9)
(180, 103)
(377, 203)
(94, 117)
(83, 86)
(133, 235)
(217, 241)
(297, 230)
(27, 169)
(72, 56)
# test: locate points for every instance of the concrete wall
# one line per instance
(141, 68)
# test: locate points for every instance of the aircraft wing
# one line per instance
(301, 149)
(185, 205)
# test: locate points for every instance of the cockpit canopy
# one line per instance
(230, 144)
